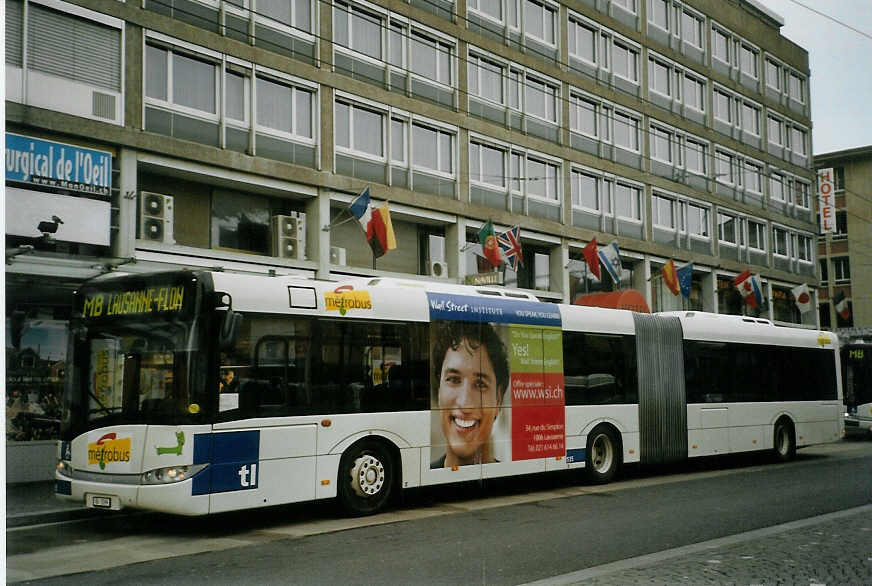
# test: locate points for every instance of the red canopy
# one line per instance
(627, 299)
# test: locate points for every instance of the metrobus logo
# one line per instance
(345, 297)
(109, 448)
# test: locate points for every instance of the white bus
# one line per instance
(197, 392)
(857, 381)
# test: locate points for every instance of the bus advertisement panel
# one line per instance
(497, 385)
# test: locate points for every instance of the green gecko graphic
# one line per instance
(177, 450)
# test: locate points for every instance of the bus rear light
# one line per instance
(171, 474)
(325, 482)
(326, 423)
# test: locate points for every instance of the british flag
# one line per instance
(510, 245)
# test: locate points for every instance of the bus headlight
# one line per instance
(171, 474)
(64, 468)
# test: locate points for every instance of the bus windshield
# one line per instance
(140, 373)
(139, 355)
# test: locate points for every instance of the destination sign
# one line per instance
(149, 300)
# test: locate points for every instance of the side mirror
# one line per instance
(229, 330)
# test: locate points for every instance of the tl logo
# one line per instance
(248, 476)
(109, 448)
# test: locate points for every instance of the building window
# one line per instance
(661, 144)
(797, 141)
(694, 92)
(824, 267)
(723, 109)
(841, 269)
(773, 75)
(628, 202)
(757, 235)
(777, 189)
(359, 130)
(691, 29)
(839, 173)
(720, 45)
(751, 118)
(541, 99)
(358, 29)
(628, 5)
(181, 80)
(626, 61)
(801, 196)
(487, 165)
(696, 157)
(796, 88)
(284, 108)
(660, 77)
(775, 131)
(725, 167)
(750, 61)
(431, 58)
(753, 176)
(663, 212)
(627, 131)
(729, 229)
(433, 149)
(803, 248)
(540, 21)
(659, 13)
(780, 241)
(486, 78)
(241, 221)
(583, 41)
(841, 224)
(586, 191)
(697, 221)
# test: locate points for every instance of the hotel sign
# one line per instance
(827, 200)
(56, 164)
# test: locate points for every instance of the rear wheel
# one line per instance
(366, 478)
(603, 455)
(784, 441)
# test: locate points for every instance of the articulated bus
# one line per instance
(201, 392)
(857, 380)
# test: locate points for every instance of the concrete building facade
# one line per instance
(845, 256)
(234, 134)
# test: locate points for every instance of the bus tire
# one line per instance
(784, 441)
(366, 478)
(603, 455)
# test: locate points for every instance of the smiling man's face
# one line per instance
(468, 400)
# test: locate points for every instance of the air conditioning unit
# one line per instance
(156, 217)
(439, 269)
(337, 255)
(289, 236)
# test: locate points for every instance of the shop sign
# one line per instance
(55, 164)
(482, 279)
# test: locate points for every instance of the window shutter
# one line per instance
(14, 10)
(74, 48)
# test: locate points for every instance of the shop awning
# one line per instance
(627, 299)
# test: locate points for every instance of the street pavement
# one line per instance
(835, 548)
(831, 549)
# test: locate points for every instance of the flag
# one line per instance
(841, 304)
(360, 207)
(489, 245)
(380, 231)
(510, 245)
(591, 255)
(749, 287)
(685, 278)
(610, 257)
(802, 297)
(670, 278)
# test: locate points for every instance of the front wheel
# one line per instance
(366, 478)
(603, 455)
(784, 442)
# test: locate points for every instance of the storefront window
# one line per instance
(36, 361)
(783, 306)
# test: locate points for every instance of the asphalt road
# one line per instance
(506, 532)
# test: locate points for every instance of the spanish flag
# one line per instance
(670, 277)
(380, 231)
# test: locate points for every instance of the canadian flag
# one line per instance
(749, 287)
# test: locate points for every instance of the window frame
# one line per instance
(354, 102)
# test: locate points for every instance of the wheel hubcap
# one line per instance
(367, 475)
(602, 453)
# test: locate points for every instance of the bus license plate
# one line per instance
(101, 502)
